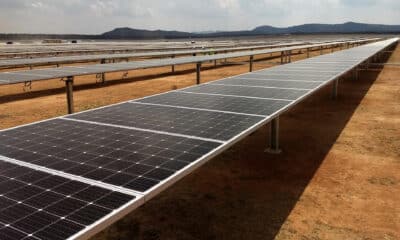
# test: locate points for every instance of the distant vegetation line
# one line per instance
(130, 33)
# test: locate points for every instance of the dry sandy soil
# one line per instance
(338, 176)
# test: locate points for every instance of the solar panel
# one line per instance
(132, 159)
(257, 106)
(38, 205)
(286, 76)
(189, 122)
(17, 77)
(268, 83)
(245, 91)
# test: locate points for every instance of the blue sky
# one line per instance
(97, 16)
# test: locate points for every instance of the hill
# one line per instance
(349, 27)
(131, 33)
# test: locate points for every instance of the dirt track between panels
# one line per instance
(337, 178)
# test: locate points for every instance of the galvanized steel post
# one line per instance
(69, 83)
(251, 63)
(274, 137)
(198, 69)
(173, 66)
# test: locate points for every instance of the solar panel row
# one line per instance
(62, 72)
(142, 146)
(19, 62)
(35, 51)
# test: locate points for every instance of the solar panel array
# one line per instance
(118, 46)
(61, 72)
(101, 163)
(18, 62)
(113, 47)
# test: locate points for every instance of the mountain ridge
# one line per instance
(347, 27)
(311, 28)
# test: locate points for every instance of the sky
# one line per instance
(98, 16)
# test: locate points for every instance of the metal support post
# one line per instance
(308, 52)
(251, 63)
(198, 69)
(320, 50)
(173, 66)
(290, 56)
(281, 57)
(69, 83)
(335, 88)
(103, 77)
(274, 137)
(215, 63)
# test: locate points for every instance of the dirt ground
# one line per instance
(338, 176)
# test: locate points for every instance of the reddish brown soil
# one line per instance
(337, 178)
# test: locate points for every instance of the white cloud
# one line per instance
(97, 16)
